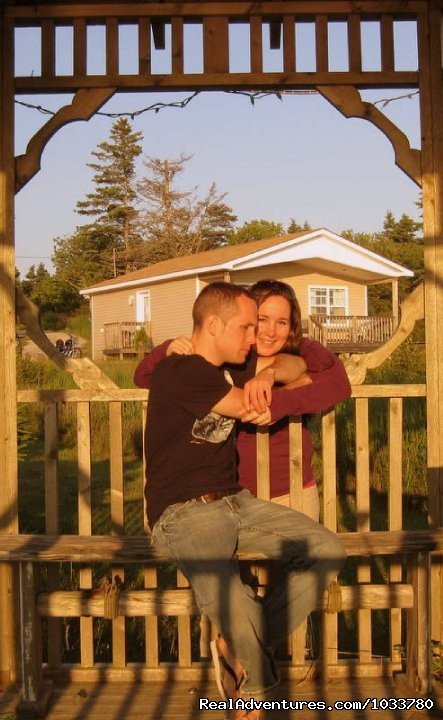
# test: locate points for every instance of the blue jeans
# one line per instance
(204, 540)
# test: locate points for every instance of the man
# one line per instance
(201, 517)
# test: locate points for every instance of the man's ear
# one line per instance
(212, 324)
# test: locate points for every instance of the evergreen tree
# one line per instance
(177, 222)
(89, 254)
(294, 227)
(256, 230)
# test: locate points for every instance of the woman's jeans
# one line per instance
(204, 540)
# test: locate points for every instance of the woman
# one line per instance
(323, 385)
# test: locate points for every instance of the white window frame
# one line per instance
(327, 288)
(140, 306)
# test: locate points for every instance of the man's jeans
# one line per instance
(204, 538)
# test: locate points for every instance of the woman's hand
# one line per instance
(180, 346)
(257, 392)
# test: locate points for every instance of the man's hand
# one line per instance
(257, 392)
(257, 418)
(180, 346)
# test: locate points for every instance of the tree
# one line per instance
(255, 230)
(177, 222)
(52, 296)
(294, 227)
(401, 231)
(112, 204)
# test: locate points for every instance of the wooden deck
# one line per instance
(180, 700)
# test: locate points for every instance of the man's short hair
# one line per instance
(218, 298)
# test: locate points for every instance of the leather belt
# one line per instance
(213, 496)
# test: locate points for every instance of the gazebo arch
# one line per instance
(342, 89)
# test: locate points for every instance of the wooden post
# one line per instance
(8, 391)
(395, 306)
(431, 99)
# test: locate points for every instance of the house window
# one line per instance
(328, 300)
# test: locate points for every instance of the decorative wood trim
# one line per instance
(84, 104)
(85, 373)
(412, 309)
(348, 101)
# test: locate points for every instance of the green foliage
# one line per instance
(400, 242)
(255, 230)
(88, 255)
(142, 343)
(294, 227)
(54, 298)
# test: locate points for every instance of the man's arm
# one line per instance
(232, 405)
(282, 368)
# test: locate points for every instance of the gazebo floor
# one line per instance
(180, 701)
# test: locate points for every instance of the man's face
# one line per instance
(235, 337)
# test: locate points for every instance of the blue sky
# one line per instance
(298, 157)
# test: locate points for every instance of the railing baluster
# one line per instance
(144, 47)
(184, 629)
(363, 512)
(52, 524)
(354, 43)
(289, 62)
(216, 44)
(117, 519)
(395, 510)
(330, 628)
(112, 47)
(48, 48)
(177, 46)
(150, 574)
(298, 637)
(256, 43)
(321, 43)
(80, 47)
(387, 43)
(85, 521)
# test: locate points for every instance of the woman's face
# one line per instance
(274, 324)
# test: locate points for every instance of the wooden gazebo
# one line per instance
(416, 594)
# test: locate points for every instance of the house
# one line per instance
(330, 276)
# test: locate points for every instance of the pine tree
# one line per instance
(113, 202)
(256, 230)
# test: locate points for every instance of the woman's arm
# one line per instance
(145, 368)
(330, 385)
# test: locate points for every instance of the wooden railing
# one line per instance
(209, 49)
(120, 336)
(97, 541)
(352, 330)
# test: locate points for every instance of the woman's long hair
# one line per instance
(264, 289)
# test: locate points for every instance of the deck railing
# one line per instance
(120, 336)
(353, 330)
(91, 500)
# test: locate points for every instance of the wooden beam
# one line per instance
(213, 79)
(9, 592)
(216, 45)
(135, 549)
(130, 10)
(181, 602)
(431, 112)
